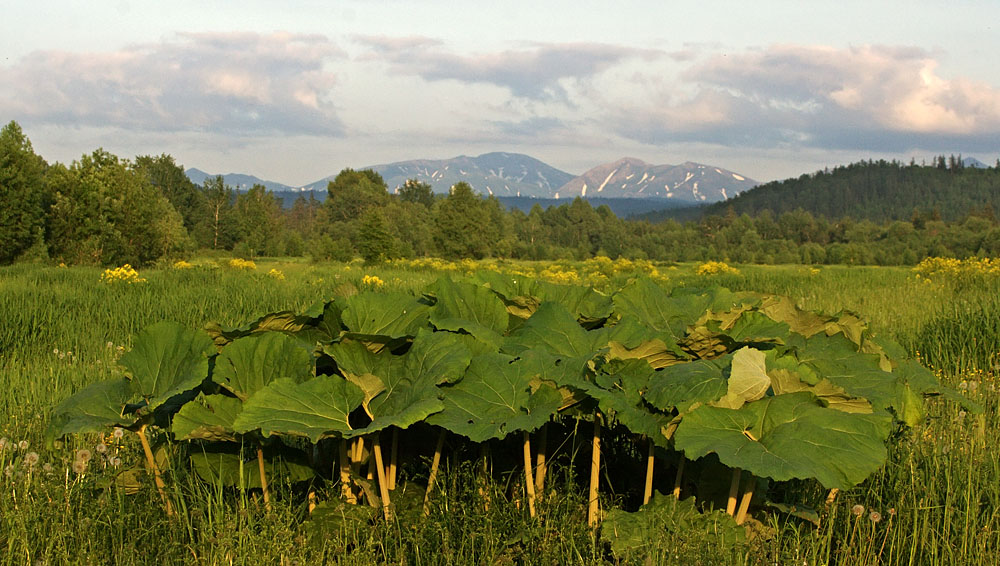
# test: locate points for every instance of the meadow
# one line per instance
(936, 501)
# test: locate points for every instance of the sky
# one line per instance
(295, 91)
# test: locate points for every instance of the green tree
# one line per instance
(462, 224)
(258, 217)
(22, 193)
(375, 240)
(416, 192)
(352, 192)
(219, 228)
(105, 212)
(173, 183)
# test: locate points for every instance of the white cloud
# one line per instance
(240, 83)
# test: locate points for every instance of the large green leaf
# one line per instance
(643, 532)
(92, 409)
(495, 399)
(248, 364)
(318, 408)
(618, 388)
(788, 436)
(683, 385)
(225, 468)
(388, 315)
(210, 417)
(303, 327)
(553, 329)
(748, 379)
(583, 302)
(167, 359)
(471, 308)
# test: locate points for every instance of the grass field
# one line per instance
(935, 502)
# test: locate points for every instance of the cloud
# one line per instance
(238, 83)
(534, 72)
(869, 97)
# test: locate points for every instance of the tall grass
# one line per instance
(937, 498)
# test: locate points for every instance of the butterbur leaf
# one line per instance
(248, 364)
(209, 417)
(316, 409)
(225, 468)
(635, 534)
(92, 409)
(684, 385)
(495, 399)
(389, 315)
(788, 436)
(553, 329)
(300, 325)
(470, 308)
(583, 302)
(167, 359)
(748, 380)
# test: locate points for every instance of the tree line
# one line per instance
(106, 210)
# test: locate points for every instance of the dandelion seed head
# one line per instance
(31, 459)
(118, 432)
(4, 443)
(961, 414)
(83, 455)
(23, 445)
(963, 385)
(115, 461)
(101, 448)
(47, 468)
(858, 510)
(79, 466)
(875, 516)
(892, 511)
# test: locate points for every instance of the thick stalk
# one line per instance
(345, 475)
(485, 476)
(392, 458)
(263, 477)
(832, 496)
(529, 482)
(677, 478)
(595, 473)
(734, 491)
(380, 470)
(435, 464)
(741, 515)
(647, 492)
(540, 466)
(157, 478)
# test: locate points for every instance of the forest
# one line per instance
(107, 210)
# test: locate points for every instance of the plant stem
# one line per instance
(741, 515)
(540, 466)
(677, 478)
(734, 491)
(647, 492)
(435, 464)
(345, 475)
(380, 470)
(157, 478)
(392, 458)
(595, 472)
(263, 477)
(529, 482)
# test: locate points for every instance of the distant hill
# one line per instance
(622, 207)
(876, 190)
(498, 173)
(689, 182)
(238, 181)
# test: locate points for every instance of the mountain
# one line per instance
(498, 173)
(975, 163)
(633, 178)
(239, 181)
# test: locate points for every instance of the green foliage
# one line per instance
(22, 192)
(105, 212)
